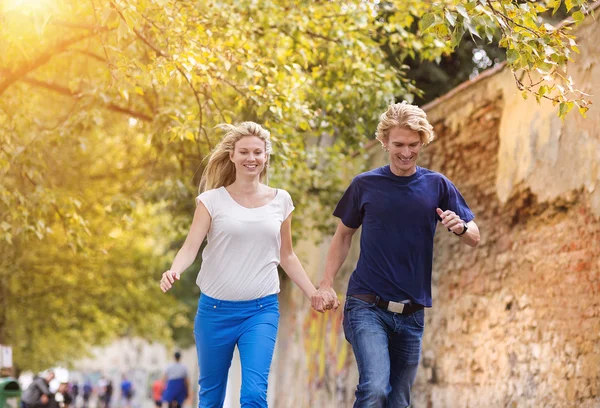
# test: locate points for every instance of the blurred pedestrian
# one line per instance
(87, 393)
(105, 391)
(38, 394)
(176, 382)
(126, 392)
(74, 391)
(62, 398)
(158, 387)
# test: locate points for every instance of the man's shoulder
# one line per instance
(424, 171)
(376, 172)
(428, 175)
(370, 176)
(176, 369)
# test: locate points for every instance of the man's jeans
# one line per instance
(387, 347)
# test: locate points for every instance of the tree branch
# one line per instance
(91, 55)
(44, 58)
(67, 92)
(181, 71)
(82, 26)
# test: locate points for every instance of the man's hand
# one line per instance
(44, 399)
(324, 299)
(451, 221)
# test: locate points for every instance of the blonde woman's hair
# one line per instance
(407, 116)
(220, 170)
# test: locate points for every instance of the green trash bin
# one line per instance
(10, 392)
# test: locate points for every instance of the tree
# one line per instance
(107, 110)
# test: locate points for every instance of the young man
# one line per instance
(398, 206)
(176, 383)
(38, 394)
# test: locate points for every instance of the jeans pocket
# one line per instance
(419, 318)
(354, 303)
(345, 326)
(205, 308)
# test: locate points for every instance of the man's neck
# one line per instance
(403, 173)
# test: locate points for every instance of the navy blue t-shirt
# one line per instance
(398, 218)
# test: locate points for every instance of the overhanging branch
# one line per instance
(44, 58)
(67, 92)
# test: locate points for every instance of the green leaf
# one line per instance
(564, 108)
(427, 21)
(451, 19)
(569, 5)
(472, 29)
(578, 17)
(512, 56)
(457, 35)
(463, 12)
(556, 6)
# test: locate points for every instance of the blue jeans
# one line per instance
(221, 325)
(387, 347)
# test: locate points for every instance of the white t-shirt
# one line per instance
(175, 371)
(241, 257)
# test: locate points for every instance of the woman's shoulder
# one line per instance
(211, 193)
(210, 198)
(281, 193)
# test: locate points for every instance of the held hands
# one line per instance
(167, 280)
(324, 299)
(451, 221)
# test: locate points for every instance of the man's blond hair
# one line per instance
(407, 116)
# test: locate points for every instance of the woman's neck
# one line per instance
(245, 186)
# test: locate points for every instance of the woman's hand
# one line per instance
(167, 280)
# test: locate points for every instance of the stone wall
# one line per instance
(515, 321)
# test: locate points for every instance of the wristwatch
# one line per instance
(465, 229)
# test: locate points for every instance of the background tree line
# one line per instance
(107, 113)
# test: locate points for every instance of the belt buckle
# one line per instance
(396, 307)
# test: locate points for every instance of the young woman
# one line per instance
(248, 226)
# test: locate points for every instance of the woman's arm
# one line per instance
(290, 262)
(186, 255)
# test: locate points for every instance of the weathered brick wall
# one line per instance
(515, 321)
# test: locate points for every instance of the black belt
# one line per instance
(401, 308)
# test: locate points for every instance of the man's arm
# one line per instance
(453, 222)
(471, 237)
(338, 251)
(43, 387)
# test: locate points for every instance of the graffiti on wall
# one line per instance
(325, 346)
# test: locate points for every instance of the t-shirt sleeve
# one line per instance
(288, 205)
(348, 208)
(453, 200)
(207, 198)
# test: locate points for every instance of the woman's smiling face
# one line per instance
(249, 156)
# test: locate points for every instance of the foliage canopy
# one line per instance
(107, 110)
